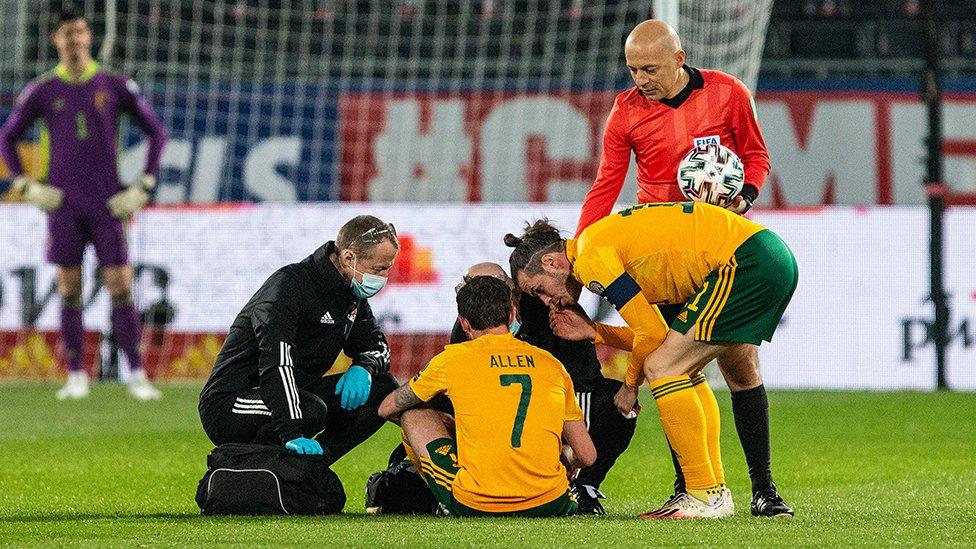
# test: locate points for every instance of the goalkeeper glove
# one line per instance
(129, 200)
(305, 446)
(354, 387)
(45, 197)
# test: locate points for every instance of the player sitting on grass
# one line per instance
(611, 431)
(514, 405)
(735, 279)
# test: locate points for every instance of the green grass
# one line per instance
(860, 468)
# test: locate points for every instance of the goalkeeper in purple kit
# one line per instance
(80, 107)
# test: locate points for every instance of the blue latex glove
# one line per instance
(354, 387)
(302, 445)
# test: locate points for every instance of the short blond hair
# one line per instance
(363, 233)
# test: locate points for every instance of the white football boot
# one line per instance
(724, 504)
(75, 388)
(140, 388)
(666, 509)
(683, 506)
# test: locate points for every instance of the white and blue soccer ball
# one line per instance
(711, 173)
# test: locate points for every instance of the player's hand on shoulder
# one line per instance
(304, 446)
(569, 324)
(45, 197)
(131, 199)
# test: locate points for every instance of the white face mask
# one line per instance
(370, 286)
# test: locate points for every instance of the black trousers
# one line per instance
(610, 430)
(242, 416)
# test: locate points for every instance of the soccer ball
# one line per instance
(711, 173)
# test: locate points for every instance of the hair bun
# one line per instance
(512, 241)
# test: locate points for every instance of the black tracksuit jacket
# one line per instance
(289, 335)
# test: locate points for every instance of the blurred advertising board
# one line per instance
(860, 318)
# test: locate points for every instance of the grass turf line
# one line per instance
(860, 468)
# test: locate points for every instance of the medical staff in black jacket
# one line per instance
(267, 384)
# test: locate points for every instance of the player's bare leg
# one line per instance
(421, 427)
(127, 328)
(740, 367)
(667, 370)
(72, 332)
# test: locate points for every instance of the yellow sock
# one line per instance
(706, 495)
(684, 423)
(713, 425)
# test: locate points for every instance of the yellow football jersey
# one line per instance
(662, 251)
(510, 402)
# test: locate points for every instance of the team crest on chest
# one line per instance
(596, 287)
(101, 100)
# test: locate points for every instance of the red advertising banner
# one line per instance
(453, 148)
(853, 148)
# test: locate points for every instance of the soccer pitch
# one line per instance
(860, 469)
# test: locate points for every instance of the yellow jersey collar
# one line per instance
(571, 250)
(496, 336)
(61, 72)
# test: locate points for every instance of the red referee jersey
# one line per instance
(713, 107)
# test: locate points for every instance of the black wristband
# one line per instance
(749, 192)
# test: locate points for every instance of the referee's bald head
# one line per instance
(655, 60)
(654, 33)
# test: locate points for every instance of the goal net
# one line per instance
(497, 101)
(725, 34)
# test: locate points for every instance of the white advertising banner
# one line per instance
(860, 318)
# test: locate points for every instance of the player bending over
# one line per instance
(735, 279)
(80, 106)
(514, 405)
(671, 109)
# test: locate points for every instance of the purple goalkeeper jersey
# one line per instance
(82, 120)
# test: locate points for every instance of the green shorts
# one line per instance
(439, 472)
(744, 300)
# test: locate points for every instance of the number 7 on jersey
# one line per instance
(526, 382)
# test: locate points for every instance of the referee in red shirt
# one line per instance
(673, 108)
